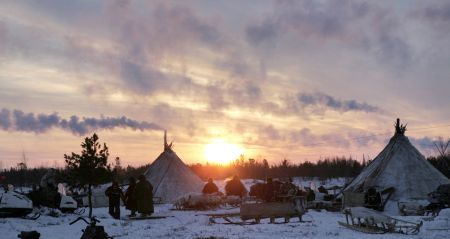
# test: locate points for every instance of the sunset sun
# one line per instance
(220, 151)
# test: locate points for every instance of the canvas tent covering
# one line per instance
(170, 177)
(402, 166)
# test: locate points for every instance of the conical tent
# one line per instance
(170, 177)
(401, 166)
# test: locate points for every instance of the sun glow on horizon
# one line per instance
(222, 152)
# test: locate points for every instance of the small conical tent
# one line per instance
(170, 177)
(401, 166)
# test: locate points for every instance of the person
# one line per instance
(372, 199)
(235, 187)
(35, 196)
(269, 191)
(210, 187)
(322, 189)
(143, 193)
(310, 195)
(257, 190)
(129, 199)
(114, 193)
(289, 188)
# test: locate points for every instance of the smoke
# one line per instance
(321, 99)
(18, 120)
(5, 121)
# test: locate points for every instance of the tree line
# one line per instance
(244, 168)
(260, 169)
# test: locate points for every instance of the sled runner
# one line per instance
(370, 221)
(147, 217)
(261, 210)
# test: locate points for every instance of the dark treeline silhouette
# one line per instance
(24, 177)
(245, 168)
(442, 163)
(32, 176)
(260, 169)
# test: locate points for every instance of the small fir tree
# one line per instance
(90, 168)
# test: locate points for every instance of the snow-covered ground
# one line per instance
(194, 224)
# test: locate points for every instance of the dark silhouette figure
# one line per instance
(269, 191)
(289, 188)
(144, 196)
(310, 195)
(322, 189)
(372, 199)
(210, 187)
(257, 190)
(235, 187)
(114, 194)
(130, 200)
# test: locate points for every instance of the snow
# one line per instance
(192, 224)
(195, 224)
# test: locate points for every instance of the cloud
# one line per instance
(271, 133)
(342, 22)
(307, 18)
(319, 99)
(149, 38)
(3, 37)
(428, 143)
(268, 135)
(41, 123)
(308, 139)
(423, 143)
(262, 32)
(438, 13)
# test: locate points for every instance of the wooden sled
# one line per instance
(331, 206)
(411, 209)
(261, 210)
(374, 222)
(356, 199)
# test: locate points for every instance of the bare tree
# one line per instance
(441, 146)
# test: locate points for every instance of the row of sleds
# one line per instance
(357, 218)
(253, 211)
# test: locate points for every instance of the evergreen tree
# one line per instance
(91, 167)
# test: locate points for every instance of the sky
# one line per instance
(297, 80)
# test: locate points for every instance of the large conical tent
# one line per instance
(170, 177)
(402, 166)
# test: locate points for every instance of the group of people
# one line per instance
(233, 187)
(269, 191)
(137, 198)
(274, 190)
